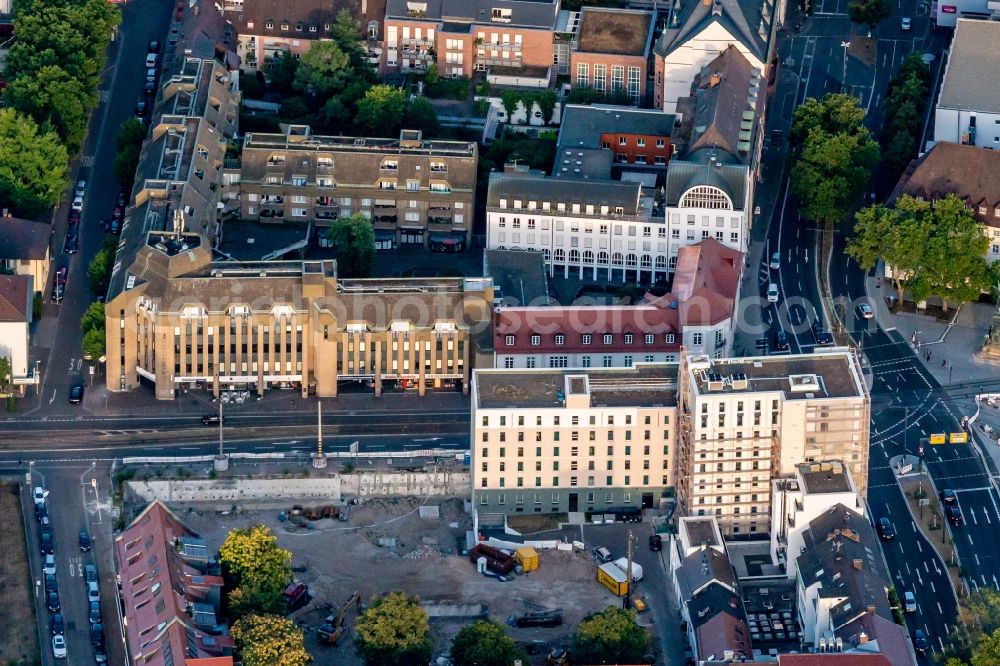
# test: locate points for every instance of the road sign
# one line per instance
(905, 469)
(921, 450)
(938, 438)
(958, 438)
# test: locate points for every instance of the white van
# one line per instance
(150, 60)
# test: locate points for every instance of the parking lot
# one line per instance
(425, 558)
(76, 501)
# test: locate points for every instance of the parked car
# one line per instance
(77, 204)
(150, 60)
(909, 602)
(213, 419)
(140, 109)
(954, 514)
(885, 529)
(73, 217)
(90, 572)
(821, 335)
(948, 496)
(76, 394)
(57, 625)
(59, 646)
(47, 545)
(100, 655)
(39, 494)
(52, 601)
(865, 311)
(41, 512)
(49, 565)
(781, 340)
(150, 76)
(775, 261)
(84, 542)
(116, 226)
(95, 612)
(655, 542)
(602, 554)
(81, 188)
(122, 194)
(60, 279)
(905, 23)
(97, 635)
(920, 641)
(72, 243)
(58, 291)
(149, 89)
(772, 293)
(154, 47)
(51, 584)
(93, 591)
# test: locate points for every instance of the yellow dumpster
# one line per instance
(527, 557)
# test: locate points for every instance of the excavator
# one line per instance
(333, 627)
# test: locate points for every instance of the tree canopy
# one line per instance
(33, 165)
(485, 643)
(258, 569)
(835, 113)
(99, 268)
(323, 70)
(394, 629)
(353, 242)
(129, 142)
(905, 102)
(933, 250)
(270, 640)
(381, 111)
(611, 636)
(869, 12)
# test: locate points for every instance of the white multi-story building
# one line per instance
(968, 109)
(600, 230)
(745, 421)
(796, 501)
(572, 440)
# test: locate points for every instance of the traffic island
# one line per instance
(921, 496)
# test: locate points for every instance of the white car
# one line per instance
(775, 261)
(77, 204)
(772, 293)
(49, 567)
(81, 188)
(59, 646)
(150, 75)
(93, 591)
(40, 494)
(905, 23)
(866, 311)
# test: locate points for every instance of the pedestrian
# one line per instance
(928, 354)
(944, 363)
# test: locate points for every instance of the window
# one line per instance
(508, 362)
(705, 196)
(669, 338)
(696, 339)
(509, 340)
(628, 338)
(608, 338)
(583, 75)
(649, 338)
(560, 339)
(586, 338)
(536, 340)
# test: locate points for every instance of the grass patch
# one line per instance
(18, 636)
(531, 524)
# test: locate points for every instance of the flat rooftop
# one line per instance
(974, 59)
(613, 31)
(246, 240)
(646, 385)
(800, 377)
(825, 477)
(699, 531)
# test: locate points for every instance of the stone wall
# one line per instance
(331, 489)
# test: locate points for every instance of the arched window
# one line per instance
(560, 255)
(546, 255)
(588, 257)
(602, 257)
(706, 196)
(661, 262)
(631, 260)
(646, 261)
(673, 262)
(616, 259)
(574, 256)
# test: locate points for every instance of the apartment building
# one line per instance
(796, 500)
(608, 141)
(699, 313)
(610, 51)
(171, 597)
(557, 440)
(966, 171)
(185, 322)
(16, 311)
(415, 191)
(697, 32)
(967, 111)
(463, 36)
(745, 421)
(267, 28)
(24, 249)
(603, 232)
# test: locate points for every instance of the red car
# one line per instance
(74, 217)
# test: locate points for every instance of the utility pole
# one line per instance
(318, 458)
(221, 461)
(627, 603)
(220, 429)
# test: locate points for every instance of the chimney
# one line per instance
(863, 638)
(858, 564)
(715, 79)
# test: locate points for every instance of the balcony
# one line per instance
(326, 208)
(385, 218)
(439, 220)
(272, 200)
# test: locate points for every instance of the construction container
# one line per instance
(497, 561)
(613, 578)
(527, 557)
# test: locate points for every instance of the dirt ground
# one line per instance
(337, 558)
(18, 635)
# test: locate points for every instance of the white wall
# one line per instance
(14, 345)
(687, 226)
(951, 124)
(950, 19)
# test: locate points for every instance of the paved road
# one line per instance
(121, 87)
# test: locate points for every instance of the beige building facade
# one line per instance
(186, 323)
(744, 421)
(557, 440)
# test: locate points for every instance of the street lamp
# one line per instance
(843, 78)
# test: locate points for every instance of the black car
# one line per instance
(655, 542)
(95, 612)
(47, 544)
(948, 496)
(781, 340)
(58, 291)
(53, 602)
(41, 511)
(72, 243)
(140, 108)
(97, 635)
(214, 419)
(51, 584)
(100, 655)
(154, 47)
(84, 541)
(149, 89)
(954, 514)
(885, 529)
(76, 394)
(57, 625)
(920, 641)
(821, 335)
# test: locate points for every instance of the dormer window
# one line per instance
(239, 311)
(313, 28)
(439, 167)
(560, 339)
(536, 340)
(501, 14)
(390, 165)
(608, 338)
(250, 24)
(509, 340)
(298, 27)
(284, 26)
(269, 25)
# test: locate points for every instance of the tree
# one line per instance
(258, 569)
(93, 318)
(99, 269)
(281, 70)
(129, 142)
(832, 173)
(869, 12)
(987, 650)
(270, 640)
(293, 108)
(93, 344)
(381, 110)
(608, 637)
(52, 96)
(485, 643)
(33, 165)
(347, 35)
(323, 70)
(583, 95)
(5, 373)
(834, 113)
(420, 115)
(353, 242)
(891, 235)
(394, 629)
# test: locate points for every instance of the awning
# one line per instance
(385, 234)
(447, 239)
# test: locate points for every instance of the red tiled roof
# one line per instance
(14, 298)
(211, 661)
(833, 659)
(721, 633)
(575, 321)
